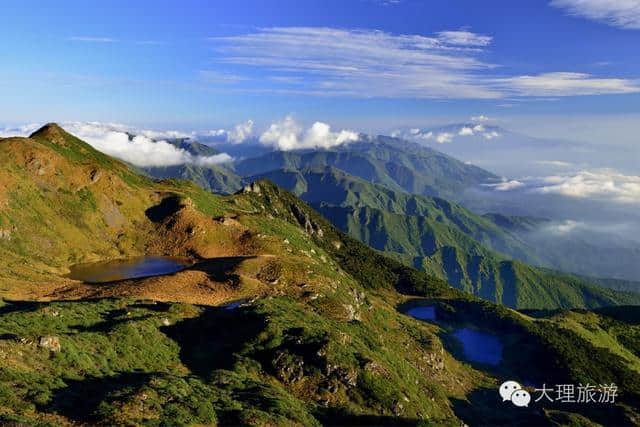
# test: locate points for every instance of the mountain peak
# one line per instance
(52, 132)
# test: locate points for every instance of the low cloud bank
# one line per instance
(142, 148)
(604, 185)
(476, 128)
(288, 135)
(24, 130)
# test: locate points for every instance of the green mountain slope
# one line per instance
(398, 164)
(320, 338)
(443, 239)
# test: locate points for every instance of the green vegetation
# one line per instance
(320, 339)
(399, 165)
(443, 239)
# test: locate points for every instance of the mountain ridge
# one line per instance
(436, 236)
(315, 330)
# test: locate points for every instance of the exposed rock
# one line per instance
(352, 313)
(37, 166)
(303, 219)
(289, 367)
(398, 409)
(252, 188)
(95, 175)
(166, 322)
(5, 234)
(50, 342)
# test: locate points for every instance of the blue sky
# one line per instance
(363, 64)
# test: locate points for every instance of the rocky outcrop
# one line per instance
(306, 222)
(50, 342)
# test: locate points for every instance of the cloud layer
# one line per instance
(567, 84)
(618, 13)
(451, 133)
(140, 148)
(604, 185)
(369, 63)
(288, 135)
(24, 130)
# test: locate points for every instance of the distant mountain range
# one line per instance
(398, 164)
(439, 237)
(402, 167)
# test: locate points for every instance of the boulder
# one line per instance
(50, 342)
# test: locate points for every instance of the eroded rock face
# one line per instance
(303, 219)
(50, 342)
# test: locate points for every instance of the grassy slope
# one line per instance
(441, 238)
(323, 343)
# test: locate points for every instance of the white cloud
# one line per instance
(618, 13)
(465, 131)
(211, 76)
(216, 159)
(24, 130)
(92, 39)
(414, 134)
(370, 63)
(478, 128)
(554, 163)
(464, 38)
(288, 135)
(427, 135)
(444, 138)
(137, 147)
(564, 227)
(216, 133)
(241, 132)
(603, 184)
(566, 84)
(479, 119)
(364, 62)
(506, 185)
(166, 134)
(490, 135)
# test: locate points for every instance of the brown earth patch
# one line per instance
(207, 282)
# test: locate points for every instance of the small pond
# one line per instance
(474, 345)
(422, 312)
(130, 268)
(479, 347)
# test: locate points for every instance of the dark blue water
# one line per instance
(480, 347)
(234, 305)
(130, 268)
(422, 313)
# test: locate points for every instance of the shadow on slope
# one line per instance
(80, 399)
(210, 341)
